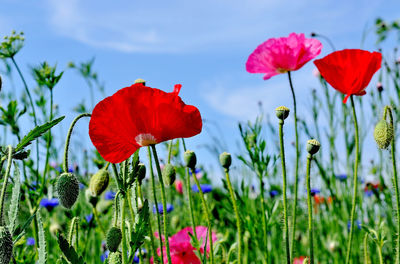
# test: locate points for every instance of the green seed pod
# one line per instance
(115, 258)
(226, 160)
(90, 198)
(313, 146)
(141, 173)
(282, 112)
(68, 189)
(190, 159)
(99, 182)
(383, 134)
(140, 81)
(114, 237)
(169, 174)
(6, 245)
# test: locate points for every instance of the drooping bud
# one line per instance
(282, 112)
(190, 159)
(226, 160)
(91, 198)
(313, 146)
(141, 173)
(6, 245)
(383, 134)
(115, 258)
(169, 174)
(114, 237)
(140, 81)
(68, 189)
(99, 182)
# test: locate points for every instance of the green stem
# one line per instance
(355, 184)
(5, 182)
(238, 222)
(123, 215)
(164, 202)
(130, 204)
(96, 215)
(67, 141)
(155, 201)
(309, 203)
(366, 255)
(380, 255)
(169, 151)
(296, 174)
(207, 212)
(46, 165)
(264, 217)
(285, 218)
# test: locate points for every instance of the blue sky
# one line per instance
(201, 44)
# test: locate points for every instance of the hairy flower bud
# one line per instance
(114, 237)
(225, 159)
(383, 134)
(141, 173)
(313, 146)
(91, 198)
(190, 159)
(68, 189)
(99, 182)
(115, 258)
(6, 245)
(169, 174)
(282, 112)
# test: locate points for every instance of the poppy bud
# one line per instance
(115, 258)
(140, 81)
(313, 146)
(226, 160)
(99, 182)
(190, 159)
(91, 198)
(141, 173)
(67, 189)
(114, 237)
(6, 245)
(169, 174)
(282, 112)
(383, 134)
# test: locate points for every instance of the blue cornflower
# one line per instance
(358, 223)
(314, 191)
(49, 204)
(197, 170)
(341, 177)
(30, 241)
(170, 207)
(273, 193)
(104, 256)
(136, 258)
(81, 186)
(109, 195)
(89, 218)
(206, 188)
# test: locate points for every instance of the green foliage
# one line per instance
(13, 211)
(42, 258)
(141, 229)
(11, 44)
(68, 251)
(45, 75)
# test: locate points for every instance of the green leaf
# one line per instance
(20, 229)
(42, 242)
(69, 252)
(141, 229)
(37, 132)
(13, 211)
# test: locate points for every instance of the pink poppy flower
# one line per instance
(280, 55)
(182, 251)
(299, 260)
(179, 186)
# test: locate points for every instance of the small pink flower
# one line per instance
(179, 186)
(280, 55)
(299, 260)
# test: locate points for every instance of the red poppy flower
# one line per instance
(349, 71)
(138, 116)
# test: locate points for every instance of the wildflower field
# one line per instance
(141, 195)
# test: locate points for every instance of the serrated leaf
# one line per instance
(141, 229)
(37, 132)
(69, 252)
(13, 211)
(42, 242)
(20, 229)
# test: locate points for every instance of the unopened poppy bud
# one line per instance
(169, 174)
(91, 198)
(99, 182)
(6, 245)
(140, 81)
(313, 146)
(190, 159)
(383, 134)
(115, 258)
(226, 160)
(114, 237)
(141, 174)
(68, 189)
(282, 112)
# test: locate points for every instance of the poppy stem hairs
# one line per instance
(5, 181)
(163, 200)
(282, 113)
